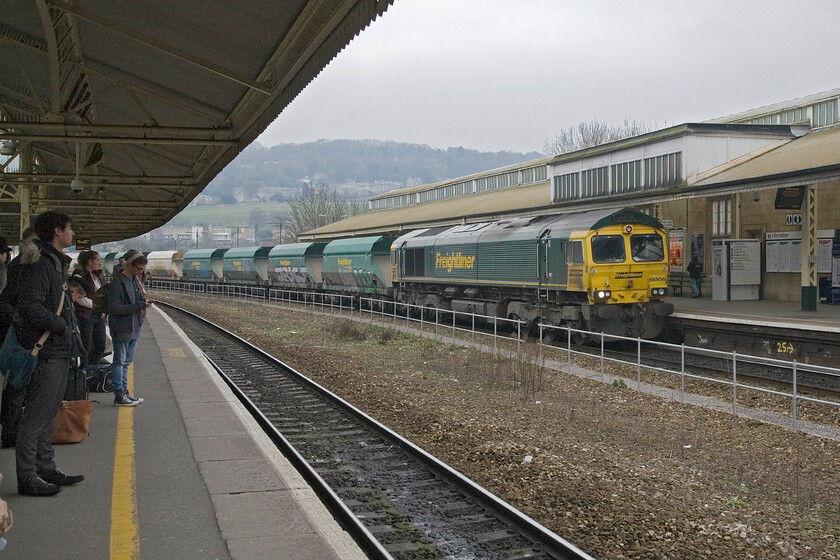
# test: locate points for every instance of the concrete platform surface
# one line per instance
(771, 313)
(187, 474)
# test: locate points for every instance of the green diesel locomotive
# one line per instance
(603, 271)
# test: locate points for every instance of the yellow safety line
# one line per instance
(125, 541)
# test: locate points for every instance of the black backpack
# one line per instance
(99, 378)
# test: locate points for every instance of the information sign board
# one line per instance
(790, 198)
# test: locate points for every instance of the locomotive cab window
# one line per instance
(608, 249)
(574, 252)
(647, 248)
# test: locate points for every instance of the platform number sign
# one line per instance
(793, 219)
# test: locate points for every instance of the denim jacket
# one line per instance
(125, 306)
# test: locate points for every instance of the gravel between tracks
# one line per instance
(620, 474)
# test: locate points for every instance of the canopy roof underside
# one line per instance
(152, 97)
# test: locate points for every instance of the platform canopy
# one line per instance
(120, 113)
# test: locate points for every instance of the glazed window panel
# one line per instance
(528, 175)
(626, 177)
(722, 217)
(594, 182)
(825, 113)
(574, 252)
(566, 187)
(608, 249)
(663, 171)
(793, 115)
(647, 247)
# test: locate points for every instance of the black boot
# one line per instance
(37, 487)
(60, 478)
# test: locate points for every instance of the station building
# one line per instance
(754, 195)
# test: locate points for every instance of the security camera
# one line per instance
(77, 186)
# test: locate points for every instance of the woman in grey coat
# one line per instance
(126, 308)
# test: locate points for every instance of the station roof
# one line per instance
(810, 158)
(813, 158)
(777, 107)
(153, 98)
(486, 206)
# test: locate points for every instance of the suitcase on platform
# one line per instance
(76, 385)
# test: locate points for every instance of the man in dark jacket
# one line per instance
(43, 292)
(695, 272)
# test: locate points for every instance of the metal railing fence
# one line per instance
(459, 326)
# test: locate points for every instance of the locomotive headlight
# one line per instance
(658, 291)
(628, 229)
(604, 294)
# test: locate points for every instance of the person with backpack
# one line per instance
(11, 407)
(126, 308)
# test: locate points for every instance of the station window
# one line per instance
(722, 217)
(626, 177)
(566, 187)
(528, 175)
(663, 171)
(824, 113)
(793, 115)
(594, 182)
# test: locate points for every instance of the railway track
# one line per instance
(397, 500)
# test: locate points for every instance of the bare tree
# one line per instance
(316, 206)
(593, 132)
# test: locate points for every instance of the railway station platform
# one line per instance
(780, 314)
(187, 474)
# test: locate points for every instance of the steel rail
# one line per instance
(551, 543)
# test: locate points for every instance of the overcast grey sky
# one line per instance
(504, 75)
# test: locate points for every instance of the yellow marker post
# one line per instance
(125, 538)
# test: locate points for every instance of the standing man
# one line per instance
(695, 272)
(43, 292)
(126, 309)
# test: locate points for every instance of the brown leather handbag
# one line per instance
(72, 423)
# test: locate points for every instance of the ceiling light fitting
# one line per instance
(77, 185)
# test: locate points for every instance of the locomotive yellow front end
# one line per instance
(625, 276)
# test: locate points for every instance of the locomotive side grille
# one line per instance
(510, 261)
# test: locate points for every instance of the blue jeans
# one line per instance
(123, 356)
(695, 287)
